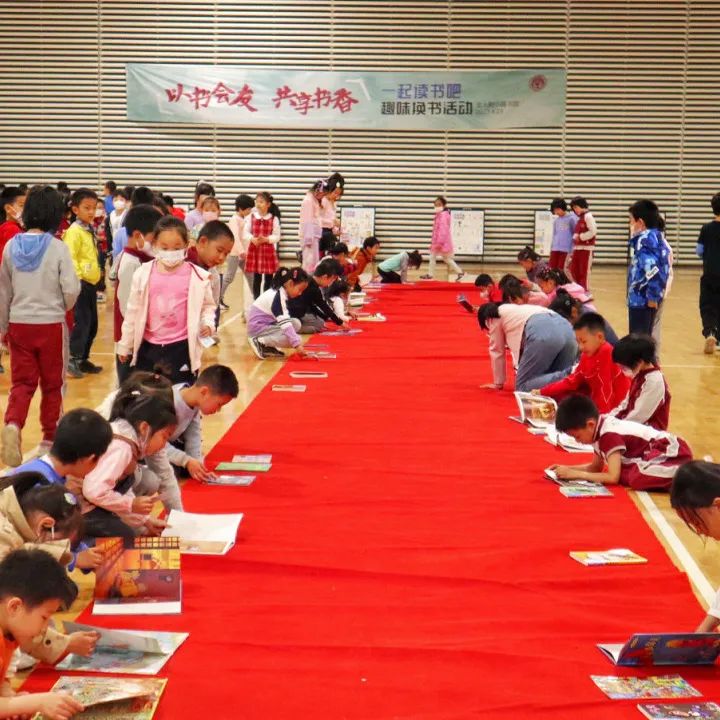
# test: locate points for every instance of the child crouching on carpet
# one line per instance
(142, 425)
(626, 452)
(695, 497)
(395, 268)
(269, 324)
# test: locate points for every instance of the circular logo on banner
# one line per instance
(538, 83)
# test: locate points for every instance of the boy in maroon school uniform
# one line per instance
(626, 452)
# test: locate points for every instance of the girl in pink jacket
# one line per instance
(170, 309)
(550, 281)
(441, 244)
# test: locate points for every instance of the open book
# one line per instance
(617, 556)
(135, 652)
(465, 303)
(143, 580)
(356, 299)
(371, 317)
(202, 534)
(578, 488)
(107, 698)
(665, 649)
(564, 441)
(535, 410)
(672, 711)
(236, 480)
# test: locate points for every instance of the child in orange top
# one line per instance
(596, 374)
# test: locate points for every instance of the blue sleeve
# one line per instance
(699, 249)
(76, 550)
(651, 275)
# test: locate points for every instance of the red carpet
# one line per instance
(404, 557)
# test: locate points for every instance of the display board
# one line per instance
(356, 224)
(544, 220)
(467, 229)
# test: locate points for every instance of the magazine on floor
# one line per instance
(243, 466)
(616, 556)
(665, 649)
(203, 533)
(107, 698)
(142, 580)
(673, 711)
(134, 652)
(632, 688)
(535, 410)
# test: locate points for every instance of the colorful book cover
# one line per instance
(630, 688)
(243, 467)
(289, 388)
(202, 533)
(536, 410)
(465, 303)
(583, 489)
(665, 649)
(321, 355)
(371, 317)
(617, 556)
(133, 652)
(339, 333)
(112, 698)
(236, 480)
(672, 711)
(144, 579)
(265, 459)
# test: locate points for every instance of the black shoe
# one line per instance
(73, 369)
(257, 347)
(89, 368)
(273, 352)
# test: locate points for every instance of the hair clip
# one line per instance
(70, 499)
(135, 392)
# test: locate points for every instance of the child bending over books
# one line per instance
(572, 310)
(142, 425)
(33, 586)
(626, 452)
(695, 497)
(596, 372)
(37, 514)
(337, 296)
(648, 400)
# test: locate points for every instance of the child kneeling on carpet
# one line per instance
(33, 586)
(142, 425)
(394, 269)
(695, 497)
(626, 452)
(648, 400)
(269, 324)
(338, 295)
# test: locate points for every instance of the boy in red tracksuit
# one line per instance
(596, 375)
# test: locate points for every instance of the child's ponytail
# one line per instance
(527, 253)
(137, 407)
(553, 275)
(564, 303)
(339, 287)
(296, 274)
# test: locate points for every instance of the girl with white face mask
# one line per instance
(441, 245)
(170, 308)
(12, 202)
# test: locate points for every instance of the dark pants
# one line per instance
(389, 277)
(124, 370)
(327, 241)
(180, 471)
(174, 359)
(641, 320)
(86, 322)
(710, 304)
(102, 259)
(258, 281)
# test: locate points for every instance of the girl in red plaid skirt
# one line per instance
(262, 229)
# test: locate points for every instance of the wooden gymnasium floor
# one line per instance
(693, 379)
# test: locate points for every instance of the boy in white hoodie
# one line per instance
(38, 285)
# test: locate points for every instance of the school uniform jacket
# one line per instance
(312, 302)
(599, 374)
(647, 401)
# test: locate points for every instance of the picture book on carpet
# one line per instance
(321, 355)
(673, 711)
(142, 580)
(632, 688)
(244, 466)
(289, 388)
(565, 442)
(371, 317)
(584, 489)
(108, 698)
(535, 410)
(237, 480)
(341, 333)
(665, 649)
(616, 556)
(308, 374)
(465, 303)
(134, 652)
(201, 533)
(265, 459)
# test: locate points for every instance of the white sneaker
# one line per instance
(11, 452)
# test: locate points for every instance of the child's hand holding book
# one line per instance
(82, 643)
(144, 505)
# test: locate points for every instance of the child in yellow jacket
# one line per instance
(80, 239)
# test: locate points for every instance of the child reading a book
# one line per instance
(531, 263)
(626, 452)
(338, 295)
(270, 326)
(695, 497)
(142, 425)
(33, 586)
(596, 373)
(551, 281)
(648, 400)
(489, 291)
